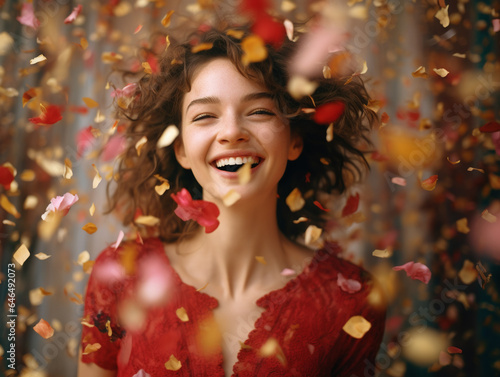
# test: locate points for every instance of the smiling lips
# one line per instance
(232, 164)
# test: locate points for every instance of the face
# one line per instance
(228, 120)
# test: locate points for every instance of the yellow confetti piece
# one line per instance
(287, 6)
(27, 175)
(42, 256)
(462, 226)
(429, 184)
(468, 274)
(494, 181)
(476, 169)
(294, 200)
(8, 222)
(160, 189)
(442, 16)
(111, 57)
(173, 364)
(244, 173)
(97, 177)
(385, 253)
(237, 34)
(182, 314)
(167, 19)
(299, 86)
(89, 348)
(83, 257)
(329, 133)
(30, 202)
(272, 348)
(300, 220)
(489, 217)
(68, 171)
(168, 136)
(461, 56)
(254, 49)
(357, 326)
(90, 102)
(231, 197)
(90, 228)
(364, 69)
(38, 59)
(420, 72)
(9, 207)
(87, 266)
(21, 254)
(138, 146)
(260, 259)
(147, 68)
(201, 47)
(147, 220)
(312, 234)
(92, 209)
(441, 72)
(108, 327)
(453, 162)
(84, 43)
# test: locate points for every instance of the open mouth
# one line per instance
(233, 164)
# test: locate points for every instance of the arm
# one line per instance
(92, 370)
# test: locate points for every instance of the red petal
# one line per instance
(351, 205)
(490, 127)
(51, 115)
(377, 156)
(329, 112)
(254, 6)
(203, 212)
(269, 30)
(6, 177)
(73, 15)
(318, 204)
(452, 349)
(416, 271)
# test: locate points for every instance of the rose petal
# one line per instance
(329, 112)
(28, 17)
(295, 201)
(72, 16)
(203, 212)
(44, 329)
(351, 205)
(429, 184)
(348, 285)
(168, 136)
(416, 271)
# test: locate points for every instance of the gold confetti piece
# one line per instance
(30, 202)
(364, 69)
(111, 57)
(84, 43)
(312, 234)
(202, 288)
(254, 49)
(294, 200)
(160, 189)
(42, 256)
(494, 181)
(97, 178)
(357, 326)
(38, 59)
(385, 253)
(173, 364)
(244, 173)
(327, 72)
(68, 172)
(90, 102)
(90, 228)
(9, 207)
(260, 259)
(89, 348)
(287, 6)
(201, 47)
(420, 72)
(21, 254)
(237, 34)
(468, 274)
(442, 16)
(166, 23)
(329, 133)
(147, 220)
(168, 136)
(27, 175)
(462, 226)
(231, 197)
(92, 209)
(44, 329)
(182, 314)
(83, 257)
(476, 169)
(429, 184)
(147, 68)
(167, 42)
(272, 348)
(299, 86)
(138, 146)
(300, 220)
(453, 162)
(489, 217)
(108, 327)
(441, 72)
(8, 222)
(461, 56)
(35, 297)
(87, 266)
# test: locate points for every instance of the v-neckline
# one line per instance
(260, 302)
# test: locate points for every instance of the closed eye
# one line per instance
(202, 116)
(262, 112)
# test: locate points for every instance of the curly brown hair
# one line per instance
(321, 167)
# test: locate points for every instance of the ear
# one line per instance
(296, 146)
(180, 153)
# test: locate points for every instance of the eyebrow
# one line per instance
(216, 100)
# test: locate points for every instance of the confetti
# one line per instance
(294, 200)
(351, 205)
(181, 314)
(119, 240)
(68, 171)
(416, 271)
(90, 228)
(357, 326)
(462, 226)
(141, 373)
(299, 86)
(167, 18)
(329, 112)
(442, 16)
(385, 253)
(420, 72)
(260, 259)
(173, 364)
(441, 72)
(147, 220)
(42, 256)
(468, 273)
(89, 348)
(254, 49)
(489, 217)
(140, 143)
(21, 254)
(490, 127)
(28, 17)
(8, 206)
(90, 103)
(312, 234)
(476, 169)
(201, 47)
(92, 209)
(398, 181)
(38, 59)
(30, 202)
(72, 16)
(168, 136)
(288, 272)
(453, 162)
(44, 329)
(430, 183)
(6, 176)
(231, 197)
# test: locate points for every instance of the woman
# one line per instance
(230, 292)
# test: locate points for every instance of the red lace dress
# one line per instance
(299, 332)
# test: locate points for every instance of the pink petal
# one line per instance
(28, 17)
(155, 280)
(141, 373)
(113, 148)
(288, 272)
(495, 136)
(119, 240)
(348, 285)
(203, 212)
(84, 140)
(73, 15)
(416, 271)
(444, 358)
(496, 24)
(109, 272)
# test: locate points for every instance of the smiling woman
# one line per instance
(240, 297)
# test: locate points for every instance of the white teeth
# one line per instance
(235, 161)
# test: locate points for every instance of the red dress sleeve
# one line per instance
(100, 312)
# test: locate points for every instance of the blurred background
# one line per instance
(432, 195)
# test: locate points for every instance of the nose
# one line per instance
(232, 130)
